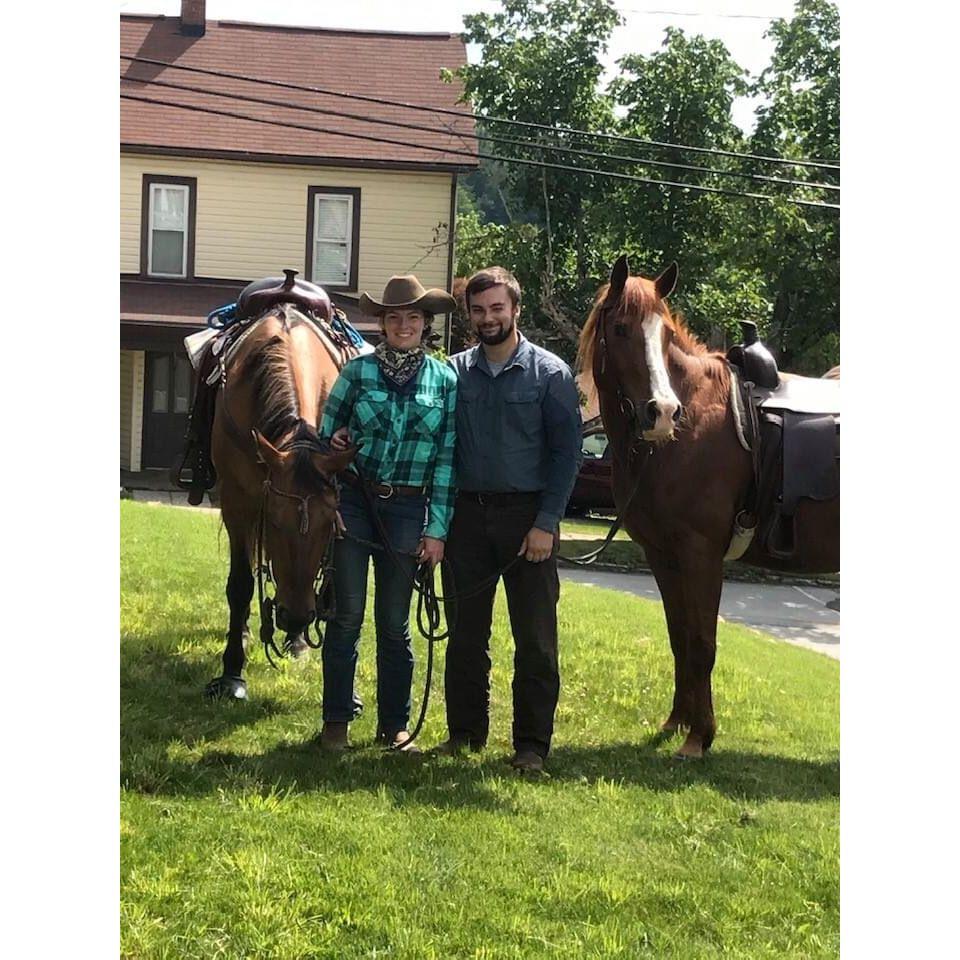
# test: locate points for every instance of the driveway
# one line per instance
(798, 615)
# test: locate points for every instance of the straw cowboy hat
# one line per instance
(407, 292)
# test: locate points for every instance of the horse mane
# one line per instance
(636, 300)
(275, 396)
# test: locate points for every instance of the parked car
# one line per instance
(593, 490)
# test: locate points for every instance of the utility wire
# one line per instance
(477, 155)
(509, 141)
(817, 164)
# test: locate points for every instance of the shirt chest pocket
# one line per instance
(523, 417)
(372, 411)
(426, 414)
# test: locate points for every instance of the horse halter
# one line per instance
(626, 405)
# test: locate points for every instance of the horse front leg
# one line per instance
(666, 571)
(239, 593)
(702, 584)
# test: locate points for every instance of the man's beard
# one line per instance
(492, 339)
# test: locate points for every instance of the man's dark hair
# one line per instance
(493, 277)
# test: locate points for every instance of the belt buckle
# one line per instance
(386, 496)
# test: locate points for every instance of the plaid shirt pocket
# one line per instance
(426, 414)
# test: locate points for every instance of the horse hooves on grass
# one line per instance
(692, 749)
(226, 688)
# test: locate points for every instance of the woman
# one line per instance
(397, 404)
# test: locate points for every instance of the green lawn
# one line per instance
(239, 839)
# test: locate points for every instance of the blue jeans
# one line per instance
(404, 519)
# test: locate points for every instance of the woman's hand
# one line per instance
(431, 551)
(341, 439)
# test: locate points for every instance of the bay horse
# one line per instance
(276, 481)
(680, 474)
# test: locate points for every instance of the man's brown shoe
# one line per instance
(333, 737)
(526, 761)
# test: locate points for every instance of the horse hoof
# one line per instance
(692, 749)
(226, 688)
(297, 648)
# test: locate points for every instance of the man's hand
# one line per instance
(341, 439)
(537, 545)
(430, 551)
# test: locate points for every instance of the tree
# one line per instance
(801, 250)
(541, 63)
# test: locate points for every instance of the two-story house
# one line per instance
(217, 190)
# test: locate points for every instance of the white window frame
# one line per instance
(186, 228)
(317, 240)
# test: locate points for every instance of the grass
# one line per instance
(239, 839)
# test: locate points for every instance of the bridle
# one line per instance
(325, 598)
(626, 405)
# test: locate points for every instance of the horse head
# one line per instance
(624, 345)
(299, 517)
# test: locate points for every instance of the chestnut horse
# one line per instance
(680, 474)
(274, 476)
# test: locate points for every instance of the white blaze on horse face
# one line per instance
(660, 390)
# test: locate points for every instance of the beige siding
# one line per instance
(252, 218)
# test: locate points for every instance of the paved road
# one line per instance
(796, 614)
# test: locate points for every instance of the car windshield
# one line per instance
(595, 445)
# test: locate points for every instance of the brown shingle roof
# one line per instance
(394, 66)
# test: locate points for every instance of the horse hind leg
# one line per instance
(667, 575)
(230, 683)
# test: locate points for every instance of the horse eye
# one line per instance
(620, 329)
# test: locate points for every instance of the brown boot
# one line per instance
(333, 737)
(526, 761)
(455, 747)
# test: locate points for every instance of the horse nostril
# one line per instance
(677, 414)
(650, 412)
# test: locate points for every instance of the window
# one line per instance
(333, 235)
(168, 224)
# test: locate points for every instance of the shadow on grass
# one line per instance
(473, 782)
(162, 700)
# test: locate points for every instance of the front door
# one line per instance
(166, 408)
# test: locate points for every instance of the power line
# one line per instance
(817, 164)
(477, 155)
(509, 141)
(703, 13)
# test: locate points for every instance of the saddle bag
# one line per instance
(800, 459)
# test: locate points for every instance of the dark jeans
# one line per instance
(484, 539)
(403, 519)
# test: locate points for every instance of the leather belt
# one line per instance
(383, 490)
(501, 499)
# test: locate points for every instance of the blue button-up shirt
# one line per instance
(520, 430)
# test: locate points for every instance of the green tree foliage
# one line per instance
(799, 249)
(772, 263)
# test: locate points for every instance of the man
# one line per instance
(518, 452)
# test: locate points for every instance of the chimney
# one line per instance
(193, 17)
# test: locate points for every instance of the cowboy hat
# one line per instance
(406, 291)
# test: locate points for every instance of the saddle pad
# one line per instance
(811, 451)
(801, 395)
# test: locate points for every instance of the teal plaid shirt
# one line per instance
(406, 439)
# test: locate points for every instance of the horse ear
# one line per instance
(336, 460)
(618, 278)
(667, 281)
(266, 452)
